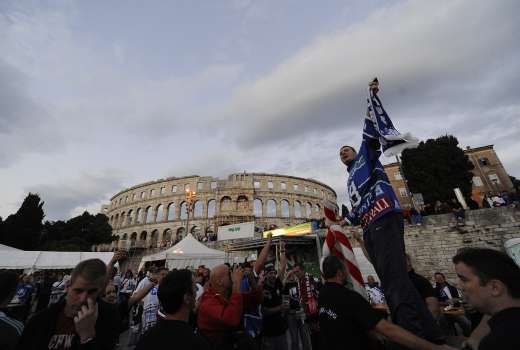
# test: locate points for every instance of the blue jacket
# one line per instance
(369, 189)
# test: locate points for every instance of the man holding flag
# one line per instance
(375, 207)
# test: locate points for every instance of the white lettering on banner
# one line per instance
(379, 206)
(61, 341)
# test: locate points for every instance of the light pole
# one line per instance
(190, 197)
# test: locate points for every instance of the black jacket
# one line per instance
(40, 328)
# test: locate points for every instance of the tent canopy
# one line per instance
(188, 252)
(43, 260)
(6, 247)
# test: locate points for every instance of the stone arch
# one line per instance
(271, 208)
(138, 218)
(148, 215)
(317, 209)
(167, 235)
(125, 236)
(171, 211)
(129, 217)
(297, 209)
(181, 232)
(210, 229)
(197, 209)
(154, 238)
(133, 239)
(195, 231)
(226, 204)
(122, 219)
(308, 210)
(184, 213)
(242, 202)
(159, 212)
(285, 208)
(116, 221)
(143, 236)
(257, 207)
(211, 208)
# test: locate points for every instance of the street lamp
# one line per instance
(190, 197)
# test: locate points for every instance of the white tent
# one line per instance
(6, 247)
(188, 252)
(42, 260)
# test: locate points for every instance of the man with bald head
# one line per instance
(221, 306)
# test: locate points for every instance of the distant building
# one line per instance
(489, 175)
(397, 181)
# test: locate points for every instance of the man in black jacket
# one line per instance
(81, 320)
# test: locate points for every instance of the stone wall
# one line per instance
(433, 244)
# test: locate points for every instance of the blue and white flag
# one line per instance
(391, 140)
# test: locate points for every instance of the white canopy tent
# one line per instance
(188, 252)
(14, 259)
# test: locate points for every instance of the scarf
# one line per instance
(392, 141)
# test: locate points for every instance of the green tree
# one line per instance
(78, 233)
(23, 229)
(436, 167)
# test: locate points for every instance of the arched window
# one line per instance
(125, 236)
(116, 221)
(210, 229)
(154, 238)
(143, 235)
(242, 203)
(181, 232)
(167, 235)
(297, 209)
(122, 220)
(226, 204)
(138, 216)
(159, 213)
(197, 209)
(285, 208)
(211, 208)
(308, 210)
(171, 211)
(257, 203)
(271, 208)
(129, 218)
(149, 215)
(133, 236)
(317, 209)
(184, 213)
(195, 231)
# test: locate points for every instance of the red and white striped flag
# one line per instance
(338, 244)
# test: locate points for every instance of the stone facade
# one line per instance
(154, 214)
(489, 174)
(393, 171)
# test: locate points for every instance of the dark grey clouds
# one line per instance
(25, 126)
(435, 60)
(72, 196)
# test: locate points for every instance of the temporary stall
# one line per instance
(188, 252)
(43, 260)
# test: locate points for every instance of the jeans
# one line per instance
(384, 242)
(277, 342)
(299, 332)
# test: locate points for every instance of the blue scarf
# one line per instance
(391, 140)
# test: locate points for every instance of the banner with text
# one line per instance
(242, 230)
(292, 231)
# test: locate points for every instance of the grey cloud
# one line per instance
(87, 191)
(25, 126)
(434, 59)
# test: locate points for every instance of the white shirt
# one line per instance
(150, 306)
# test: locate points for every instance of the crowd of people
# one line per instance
(256, 305)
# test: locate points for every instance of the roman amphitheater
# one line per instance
(154, 214)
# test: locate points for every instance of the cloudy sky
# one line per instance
(96, 96)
